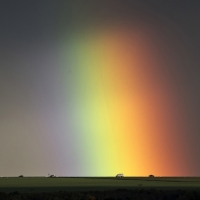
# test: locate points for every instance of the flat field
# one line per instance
(46, 184)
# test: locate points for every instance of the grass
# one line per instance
(44, 184)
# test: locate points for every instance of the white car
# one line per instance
(120, 175)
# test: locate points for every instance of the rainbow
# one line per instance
(125, 114)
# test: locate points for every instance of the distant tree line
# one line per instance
(120, 194)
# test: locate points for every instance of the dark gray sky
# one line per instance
(32, 120)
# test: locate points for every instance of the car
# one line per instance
(119, 175)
